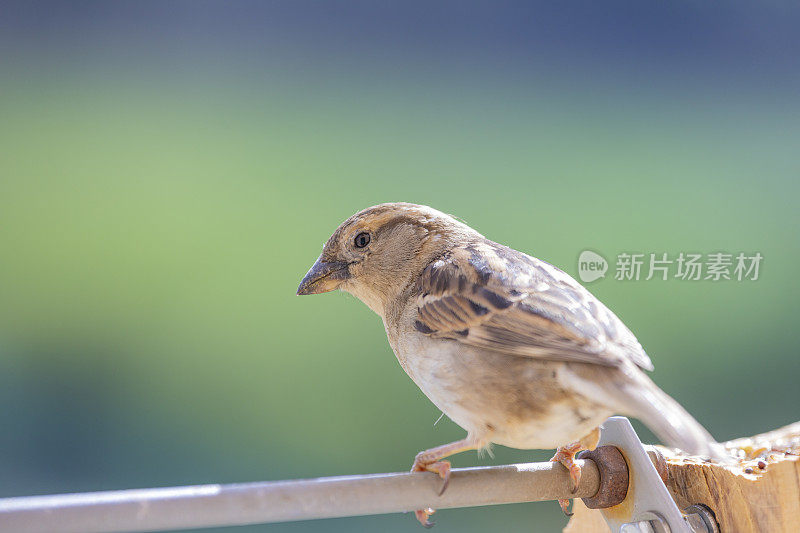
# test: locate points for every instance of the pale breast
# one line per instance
(510, 400)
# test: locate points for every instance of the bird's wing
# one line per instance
(490, 296)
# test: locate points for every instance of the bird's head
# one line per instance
(377, 252)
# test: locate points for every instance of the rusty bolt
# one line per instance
(613, 477)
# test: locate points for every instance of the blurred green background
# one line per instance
(168, 172)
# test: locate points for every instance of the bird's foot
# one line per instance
(564, 504)
(566, 456)
(422, 463)
(442, 468)
(423, 516)
(431, 461)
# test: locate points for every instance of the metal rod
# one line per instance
(280, 501)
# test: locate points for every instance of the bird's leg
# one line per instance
(431, 461)
(566, 456)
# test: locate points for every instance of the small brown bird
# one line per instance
(509, 347)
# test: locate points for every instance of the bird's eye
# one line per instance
(361, 240)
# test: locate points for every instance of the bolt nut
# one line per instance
(613, 477)
(701, 519)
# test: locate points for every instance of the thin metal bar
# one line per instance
(280, 501)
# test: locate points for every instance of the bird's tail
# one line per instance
(670, 421)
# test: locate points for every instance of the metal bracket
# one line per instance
(648, 506)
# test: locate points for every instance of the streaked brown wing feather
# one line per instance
(490, 296)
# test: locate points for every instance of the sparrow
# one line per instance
(509, 347)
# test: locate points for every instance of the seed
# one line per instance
(748, 470)
(762, 465)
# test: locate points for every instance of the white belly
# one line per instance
(514, 401)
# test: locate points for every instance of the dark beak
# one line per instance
(324, 276)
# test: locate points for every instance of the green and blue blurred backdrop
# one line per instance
(168, 172)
